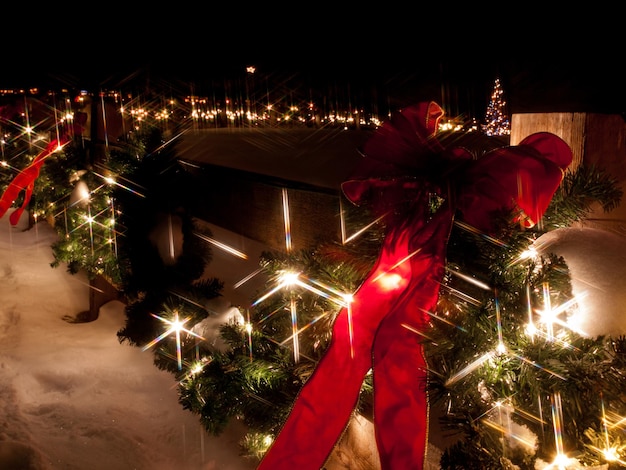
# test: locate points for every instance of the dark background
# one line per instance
(390, 54)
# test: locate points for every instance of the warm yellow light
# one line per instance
(611, 455)
(196, 369)
(563, 461)
(531, 329)
(390, 281)
(530, 253)
(289, 278)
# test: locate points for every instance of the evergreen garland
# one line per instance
(79, 201)
(258, 378)
(153, 285)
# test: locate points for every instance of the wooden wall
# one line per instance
(252, 205)
(568, 126)
(595, 139)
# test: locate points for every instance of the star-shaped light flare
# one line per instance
(287, 279)
(174, 326)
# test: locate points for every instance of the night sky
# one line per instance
(388, 54)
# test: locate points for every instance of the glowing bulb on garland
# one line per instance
(175, 326)
(80, 195)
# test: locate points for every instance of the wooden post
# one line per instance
(101, 291)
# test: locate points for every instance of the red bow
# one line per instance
(403, 165)
(523, 177)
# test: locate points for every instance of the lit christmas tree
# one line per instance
(496, 118)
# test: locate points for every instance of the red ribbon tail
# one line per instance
(14, 218)
(25, 179)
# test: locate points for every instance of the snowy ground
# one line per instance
(71, 396)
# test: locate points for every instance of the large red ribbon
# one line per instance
(403, 166)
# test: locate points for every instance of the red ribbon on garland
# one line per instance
(404, 165)
(25, 179)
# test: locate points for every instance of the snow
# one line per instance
(596, 259)
(72, 396)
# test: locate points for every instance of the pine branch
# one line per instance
(578, 193)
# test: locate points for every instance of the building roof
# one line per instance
(320, 158)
